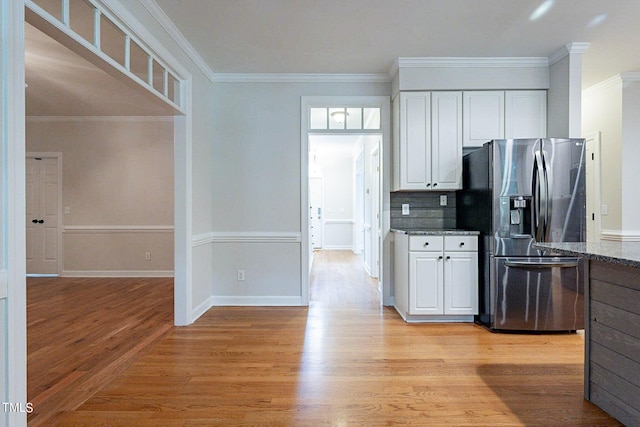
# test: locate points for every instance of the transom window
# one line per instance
(87, 20)
(344, 118)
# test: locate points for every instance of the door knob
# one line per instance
(41, 221)
(35, 221)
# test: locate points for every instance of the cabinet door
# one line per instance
(483, 117)
(415, 140)
(426, 283)
(526, 114)
(461, 283)
(446, 140)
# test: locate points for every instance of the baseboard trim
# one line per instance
(117, 273)
(201, 309)
(265, 301)
(620, 236)
(338, 248)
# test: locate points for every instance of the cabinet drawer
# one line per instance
(425, 243)
(460, 243)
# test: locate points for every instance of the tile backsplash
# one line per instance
(425, 211)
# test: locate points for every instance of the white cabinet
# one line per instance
(428, 141)
(436, 277)
(446, 140)
(525, 114)
(483, 117)
(508, 114)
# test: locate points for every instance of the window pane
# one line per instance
(111, 40)
(81, 19)
(371, 118)
(53, 7)
(158, 77)
(337, 118)
(354, 118)
(318, 118)
(139, 61)
(174, 89)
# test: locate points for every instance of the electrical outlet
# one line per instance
(443, 200)
(240, 275)
(147, 256)
(405, 209)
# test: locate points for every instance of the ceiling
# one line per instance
(334, 36)
(366, 36)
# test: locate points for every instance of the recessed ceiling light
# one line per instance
(541, 10)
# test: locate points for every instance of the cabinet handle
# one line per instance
(440, 257)
(429, 185)
(435, 184)
(426, 243)
(461, 243)
(448, 257)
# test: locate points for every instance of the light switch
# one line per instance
(405, 209)
(604, 209)
(67, 210)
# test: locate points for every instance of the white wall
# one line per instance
(602, 112)
(117, 182)
(630, 154)
(338, 173)
(257, 186)
(194, 154)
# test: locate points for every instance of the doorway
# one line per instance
(344, 218)
(348, 154)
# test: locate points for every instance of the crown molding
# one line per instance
(603, 85)
(298, 78)
(613, 82)
(569, 48)
(630, 76)
(470, 62)
(167, 24)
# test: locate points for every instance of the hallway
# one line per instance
(338, 278)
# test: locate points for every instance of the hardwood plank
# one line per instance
(82, 332)
(344, 362)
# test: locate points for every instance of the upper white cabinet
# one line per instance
(483, 117)
(446, 140)
(504, 114)
(428, 141)
(525, 114)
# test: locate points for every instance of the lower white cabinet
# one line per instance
(436, 277)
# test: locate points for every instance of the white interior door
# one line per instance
(316, 195)
(376, 227)
(43, 214)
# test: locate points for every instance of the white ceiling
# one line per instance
(337, 36)
(365, 36)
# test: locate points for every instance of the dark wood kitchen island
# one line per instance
(612, 324)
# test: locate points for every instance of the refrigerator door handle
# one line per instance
(548, 176)
(540, 198)
(541, 265)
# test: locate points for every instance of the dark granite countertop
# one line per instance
(431, 232)
(623, 253)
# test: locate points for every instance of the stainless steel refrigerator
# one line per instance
(516, 192)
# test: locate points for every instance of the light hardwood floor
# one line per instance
(343, 364)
